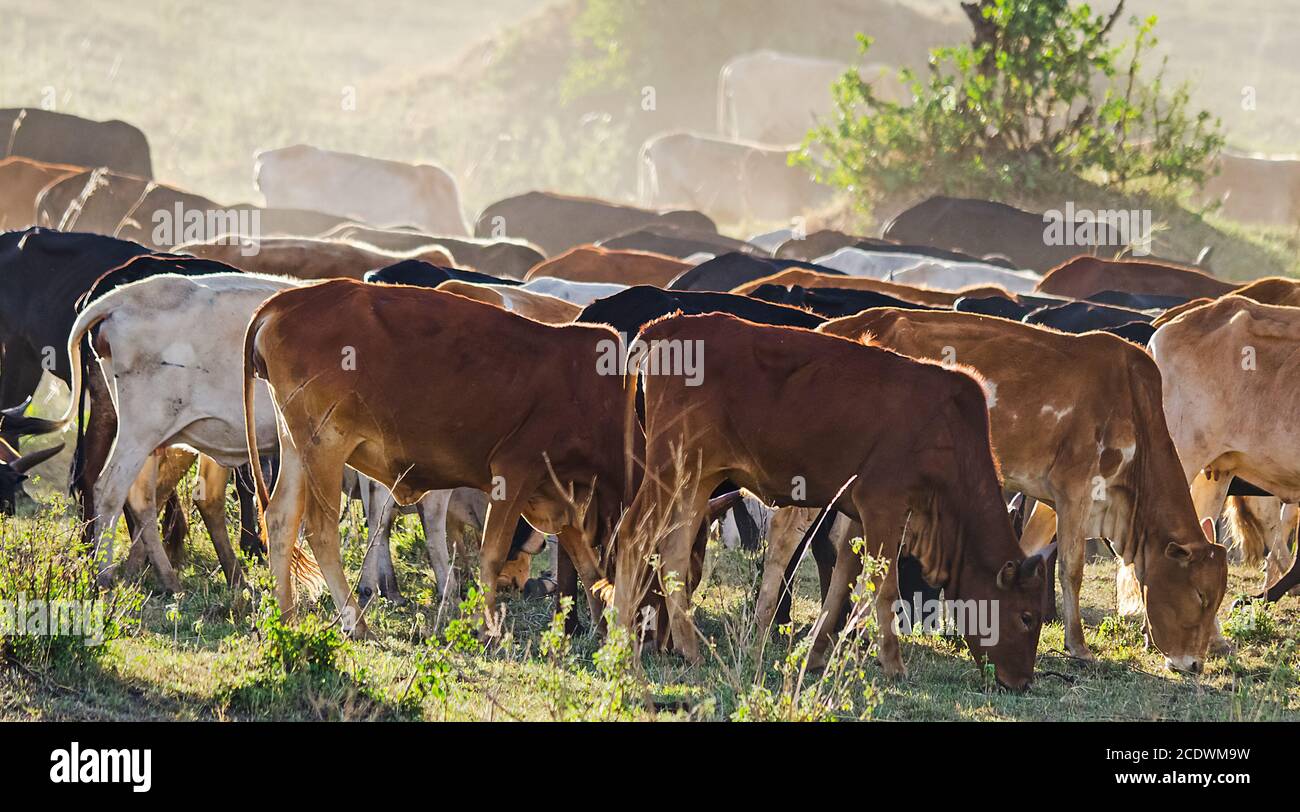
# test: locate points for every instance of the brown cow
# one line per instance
(924, 296)
(21, 183)
(303, 258)
(486, 418)
(1274, 290)
(1084, 276)
(793, 416)
(527, 303)
(588, 263)
(1078, 424)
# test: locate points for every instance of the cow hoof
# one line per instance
(816, 660)
(1220, 646)
(365, 594)
(540, 587)
(895, 671)
(1080, 651)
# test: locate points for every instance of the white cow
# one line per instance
(579, 293)
(775, 98)
(944, 275)
(871, 264)
(371, 190)
(730, 181)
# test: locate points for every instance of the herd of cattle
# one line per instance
(973, 402)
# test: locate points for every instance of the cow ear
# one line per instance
(1207, 527)
(1008, 575)
(1181, 553)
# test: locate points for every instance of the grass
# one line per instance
(193, 657)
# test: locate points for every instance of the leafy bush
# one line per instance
(52, 612)
(1039, 98)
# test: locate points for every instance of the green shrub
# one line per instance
(1039, 99)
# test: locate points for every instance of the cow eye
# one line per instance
(1027, 618)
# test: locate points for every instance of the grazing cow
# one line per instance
(556, 222)
(675, 241)
(1274, 290)
(13, 472)
(171, 385)
(776, 98)
(806, 278)
(368, 190)
(1078, 424)
(1085, 276)
(1258, 189)
(1080, 317)
(731, 181)
(826, 242)
(504, 257)
(983, 227)
(527, 303)
(728, 271)
(830, 303)
(776, 406)
(21, 182)
(579, 293)
(1228, 370)
(487, 419)
(425, 275)
(305, 258)
(62, 138)
(588, 263)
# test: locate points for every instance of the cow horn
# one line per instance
(32, 459)
(22, 424)
(1041, 557)
(719, 505)
(16, 411)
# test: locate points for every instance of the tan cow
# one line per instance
(304, 258)
(1078, 424)
(1084, 276)
(909, 293)
(21, 183)
(527, 303)
(1229, 370)
(369, 190)
(731, 181)
(780, 412)
(590, 263)
(1258, 189)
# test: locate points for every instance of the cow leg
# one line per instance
(1070, 547)
(284, 515)
(377, 573)
(834, 606)
(211, 502)
(1037, 534)
(583, 561)
(321, 520)
(824, 547)
(784, 545)
(433, 515)
(498, 530)
(566, 585)
(250, 538)
(1280, 557)
(94, 448)
(676, 557)
(124, 465)
(143, 496)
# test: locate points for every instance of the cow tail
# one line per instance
(629, 435)
(303, 568)
(82, 367)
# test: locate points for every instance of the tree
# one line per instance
(1037, 100)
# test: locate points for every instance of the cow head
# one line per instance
(1016, 597)
(14, 472)
(1183, 583)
